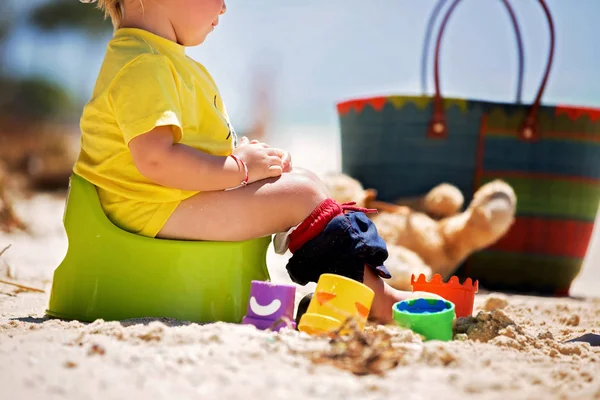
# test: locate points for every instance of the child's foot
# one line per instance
(385, 297)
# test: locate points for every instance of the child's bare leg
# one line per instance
(262, 209)
(385, 297)
(312, 176)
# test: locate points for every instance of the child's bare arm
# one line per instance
(182, 167)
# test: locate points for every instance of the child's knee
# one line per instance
(299, 196)
(305, 190)
(314, 178)
(304, 172)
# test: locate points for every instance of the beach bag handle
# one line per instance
(529, 130)
(427, 40)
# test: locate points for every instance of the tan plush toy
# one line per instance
(429, 234)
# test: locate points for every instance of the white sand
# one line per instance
(51, 359)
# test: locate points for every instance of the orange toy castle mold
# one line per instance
(463, 296)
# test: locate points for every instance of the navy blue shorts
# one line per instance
(348, 243)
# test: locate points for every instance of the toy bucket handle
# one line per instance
(528, 130)
(427, 39)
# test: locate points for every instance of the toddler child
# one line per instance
(158, 145)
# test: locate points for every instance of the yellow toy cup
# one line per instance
(335, 299)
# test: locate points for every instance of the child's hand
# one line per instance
(287, 162)
(262, 161)
(287, 158)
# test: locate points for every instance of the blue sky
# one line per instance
(318, 52)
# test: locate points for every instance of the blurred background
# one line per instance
(282, 66)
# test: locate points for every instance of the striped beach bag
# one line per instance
(405, 145)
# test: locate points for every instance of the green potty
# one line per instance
(112, 274)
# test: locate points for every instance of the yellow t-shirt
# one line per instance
(146, 81)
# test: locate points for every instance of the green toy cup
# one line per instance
(431, 318)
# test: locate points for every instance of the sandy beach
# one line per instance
(516, 351)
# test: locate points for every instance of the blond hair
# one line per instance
(113, 9)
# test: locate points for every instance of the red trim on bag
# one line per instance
(567, 238)
(356, 105)
(359, 104)
(577, 112)
(344, 108)
(377, 103)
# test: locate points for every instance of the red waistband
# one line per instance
(316, 222)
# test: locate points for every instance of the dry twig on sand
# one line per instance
(4, 250)
(20, 286)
